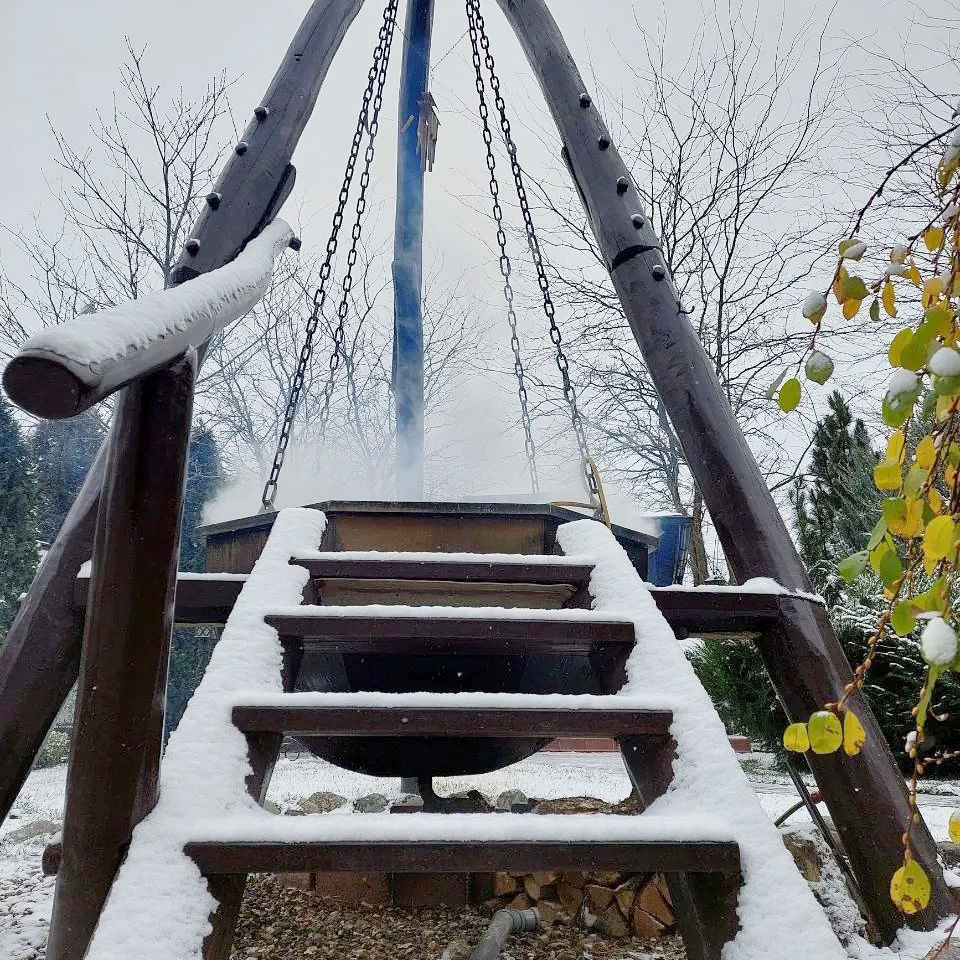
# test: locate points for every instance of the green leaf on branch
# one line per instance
(851, 567)
(855, 288)
(902, 619)
(789, 396)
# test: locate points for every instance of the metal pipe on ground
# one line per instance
(505, 923)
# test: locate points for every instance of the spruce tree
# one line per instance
(836, 504)
(192, 646)
(63, 451)
(18, 517)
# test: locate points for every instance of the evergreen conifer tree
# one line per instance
(18, 517)
(192, 646)
(63, 451)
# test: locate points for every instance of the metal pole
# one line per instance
(408, 255)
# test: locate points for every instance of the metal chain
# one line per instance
(368, 120)
(569, 391)
(475, 22)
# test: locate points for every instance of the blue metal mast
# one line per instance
(408, 254)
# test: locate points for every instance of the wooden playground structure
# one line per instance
(442, 566)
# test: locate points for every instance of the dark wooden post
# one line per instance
(112, 781)
(866, 796)
(41, 655)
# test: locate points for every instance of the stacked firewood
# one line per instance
(614, 904)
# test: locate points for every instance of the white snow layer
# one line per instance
(159, 905)
(778, 914)
(205, 304)
(938, 642)
(945, 363)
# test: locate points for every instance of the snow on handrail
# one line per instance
(65, 369)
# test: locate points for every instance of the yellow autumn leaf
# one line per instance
(950, 475)
(932, 288)
(943, 408)
(840, 284)
(938, 537)
(935, 500)
(889, 299)
(926, 453)
(795, 738)
(895, 445)
(953, 826)
(825, 732)
(910, 888)
(933, 237)
(850, 308)
(886, 475)
(854, 736)
(910, 523)
(913, 274)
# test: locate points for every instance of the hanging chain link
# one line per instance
(475, 27)
(368, 120)
(478, 28)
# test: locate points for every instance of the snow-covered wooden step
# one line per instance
(468, 567)
(452, 715)
(441, 842)
(468, 579)
(488, 630)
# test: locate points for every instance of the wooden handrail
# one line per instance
(65, 369)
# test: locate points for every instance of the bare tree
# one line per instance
(727, 163)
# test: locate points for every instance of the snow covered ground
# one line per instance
(25, 895)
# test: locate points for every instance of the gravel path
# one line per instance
(282, 923)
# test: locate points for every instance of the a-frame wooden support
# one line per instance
(808, 667)
(40, 659)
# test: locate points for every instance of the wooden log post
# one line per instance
(112, 780)
(866, 795)
(40, 658)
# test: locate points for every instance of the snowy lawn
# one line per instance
(25, 895)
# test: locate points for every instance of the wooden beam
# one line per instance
(113, 775)
(749, 525)
(452, 721)
(258, 176)
(225, 857)
(34, 684)
(461, 571)
(359, 632)
(199, 600)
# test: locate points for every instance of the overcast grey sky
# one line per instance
(60, 59)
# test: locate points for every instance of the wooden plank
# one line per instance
(452, 721)
(113, 776)
(467, 571)
(362, 634)
(205, 600)
(698, 612)
(749, 524)
(224, 857)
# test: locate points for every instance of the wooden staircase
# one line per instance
(412, 610)
(547, 598)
